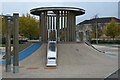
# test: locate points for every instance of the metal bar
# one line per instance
(57, 24)
(74, 28)
(70, 32)
(48, 22)
(15, 43)
(74, 36)
(42, 25)
(40, 29)
(72, 22)
(61, 25)
(71, 26)
(45, 26)
(51, 28)
(8, 46)
(68, 26)
(64, 26)
(53, 23)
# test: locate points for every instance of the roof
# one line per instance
(100, 20)
(77, 11)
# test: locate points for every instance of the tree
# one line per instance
(112, 29)
(29, 27)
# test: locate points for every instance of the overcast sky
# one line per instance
(103, 9)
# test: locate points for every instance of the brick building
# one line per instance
(101, 24)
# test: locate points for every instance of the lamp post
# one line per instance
(8, 19)
(96, 32)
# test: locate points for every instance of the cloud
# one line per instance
(59, 0)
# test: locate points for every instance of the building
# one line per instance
(101, 24)
(119, 9)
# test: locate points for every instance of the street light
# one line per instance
(96, 33)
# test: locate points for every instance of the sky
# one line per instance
(103, 9)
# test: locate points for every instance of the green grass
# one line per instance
(3, 45)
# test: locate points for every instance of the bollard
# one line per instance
(8, 46)
(15, 43)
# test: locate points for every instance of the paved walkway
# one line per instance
(111, 50)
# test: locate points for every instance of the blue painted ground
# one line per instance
(105, 48)
(111, 54)
(24, 54)
(2, 53)
(108, 53)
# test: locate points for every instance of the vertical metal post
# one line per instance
(74, 28)
(15, 43)
(48, 23)
(57, 25)
(53, 22)
(8, 46)
(61, 25)
(44, 30)
(96, 34)
(45, 26)
(40, 29)
(42, 20)
(68, 26)
(51, 29)
(54, 28)
(64, 26)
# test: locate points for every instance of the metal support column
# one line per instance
(42, 25)
(40, 29)
(68, 26)
(8, 46)
(57, 25)
(45, 26)
(61, 25)
(51, 29)
(74, 28)
(15, 43)
(64, 25)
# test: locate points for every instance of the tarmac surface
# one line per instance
(75, 60)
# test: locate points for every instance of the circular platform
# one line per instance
(77, 11)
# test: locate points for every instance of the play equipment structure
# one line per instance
(63, 19)
(57, 24)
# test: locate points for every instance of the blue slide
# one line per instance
(24, 54)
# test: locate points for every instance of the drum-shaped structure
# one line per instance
(62, 19)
